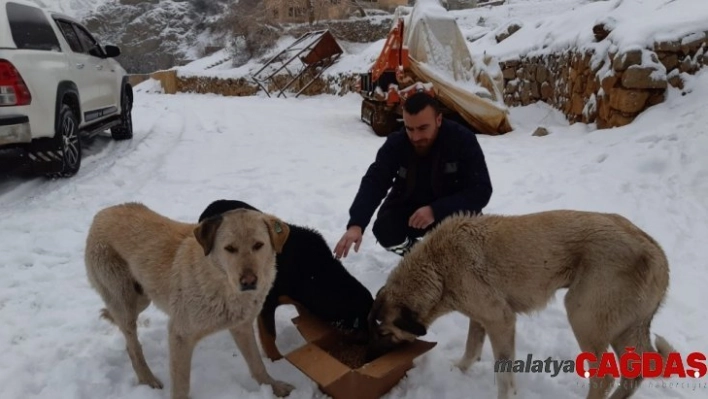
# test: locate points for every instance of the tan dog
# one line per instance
(490, 268)
(206, 277)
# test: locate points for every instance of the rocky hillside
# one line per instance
(75, 8)
(160, 34)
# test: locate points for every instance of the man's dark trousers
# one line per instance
(392, 231)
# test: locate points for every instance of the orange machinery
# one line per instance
(387, 84)
(395, 76)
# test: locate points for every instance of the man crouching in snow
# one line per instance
(435, 168)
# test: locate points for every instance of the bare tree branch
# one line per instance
(311, 11)
(358, 7)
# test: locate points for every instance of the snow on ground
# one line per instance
(302, 159)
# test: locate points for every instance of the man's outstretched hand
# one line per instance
(351, 236)
(422, 218)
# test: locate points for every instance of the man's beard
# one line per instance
(422, 147)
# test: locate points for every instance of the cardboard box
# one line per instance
(370, 381)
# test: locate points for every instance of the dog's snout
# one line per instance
(248, 281)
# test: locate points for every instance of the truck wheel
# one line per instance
(124, 131)
(367, 111)
(383, 121)
(67, 144)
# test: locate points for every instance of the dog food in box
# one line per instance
(351, 354)
(338, 367)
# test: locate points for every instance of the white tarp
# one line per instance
(439, 54)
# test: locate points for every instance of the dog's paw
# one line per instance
(507, 386)
(507, 395)
(281, 389)
(152, 382)
(464, 364)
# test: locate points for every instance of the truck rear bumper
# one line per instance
(15, 129)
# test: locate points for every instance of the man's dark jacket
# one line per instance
(459, 178)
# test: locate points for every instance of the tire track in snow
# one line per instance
(130, 171)
(141, 166)
(43, 255)
(183, 136)
(207, 134)
(40, 190)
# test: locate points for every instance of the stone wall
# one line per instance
(683, 56)
(333, 84)
(225, 87)
(136, 79)
(607, 88)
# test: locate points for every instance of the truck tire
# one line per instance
(124, 131)
(63, 151)
(382, 120)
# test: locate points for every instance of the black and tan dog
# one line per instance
(311, 278)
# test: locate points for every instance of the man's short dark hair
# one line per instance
(419, 101)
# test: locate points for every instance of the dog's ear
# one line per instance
(278, 230)
(205, 233)
(408, 321)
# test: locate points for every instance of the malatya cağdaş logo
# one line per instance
(647, 365)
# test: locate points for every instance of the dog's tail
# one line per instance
(639, 337)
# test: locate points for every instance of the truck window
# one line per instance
(70, 35)
(30, 28)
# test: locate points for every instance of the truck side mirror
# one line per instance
(111, 51)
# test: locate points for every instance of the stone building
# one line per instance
(295, 11)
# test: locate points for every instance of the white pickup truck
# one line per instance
(58, 84)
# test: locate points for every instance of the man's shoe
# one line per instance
(402, 248)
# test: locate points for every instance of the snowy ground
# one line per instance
(302, 159)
